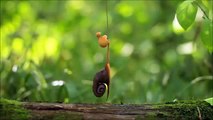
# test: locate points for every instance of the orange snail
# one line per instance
(101, 80)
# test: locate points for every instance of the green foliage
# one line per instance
(209, 100)
(206, 35)
(186, 13)
(49, 52)
(13, 110)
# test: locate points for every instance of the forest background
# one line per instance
(49, 51)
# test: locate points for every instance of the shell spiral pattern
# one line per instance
(101, 83)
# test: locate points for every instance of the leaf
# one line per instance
(206, 35)
(209, 100)
(186, 13)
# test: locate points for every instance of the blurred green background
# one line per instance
(49, 52)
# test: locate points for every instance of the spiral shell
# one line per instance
(101, 83)
(101, 88)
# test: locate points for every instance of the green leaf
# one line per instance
(209, 100)
(206, 35)
(186, 13)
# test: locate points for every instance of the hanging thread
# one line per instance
(107, 22)
(107, 30)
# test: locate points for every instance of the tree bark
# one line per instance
(200, 110)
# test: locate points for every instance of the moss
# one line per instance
(13, 110)
(138, 117)
(186, 109)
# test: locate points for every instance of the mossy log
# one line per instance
(193, 110)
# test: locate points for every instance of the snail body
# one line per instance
(102, 40)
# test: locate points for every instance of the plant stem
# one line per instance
(202, 8)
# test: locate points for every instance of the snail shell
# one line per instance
(101, 82)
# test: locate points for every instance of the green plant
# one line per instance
(186, 14)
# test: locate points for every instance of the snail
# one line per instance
(101, 81)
